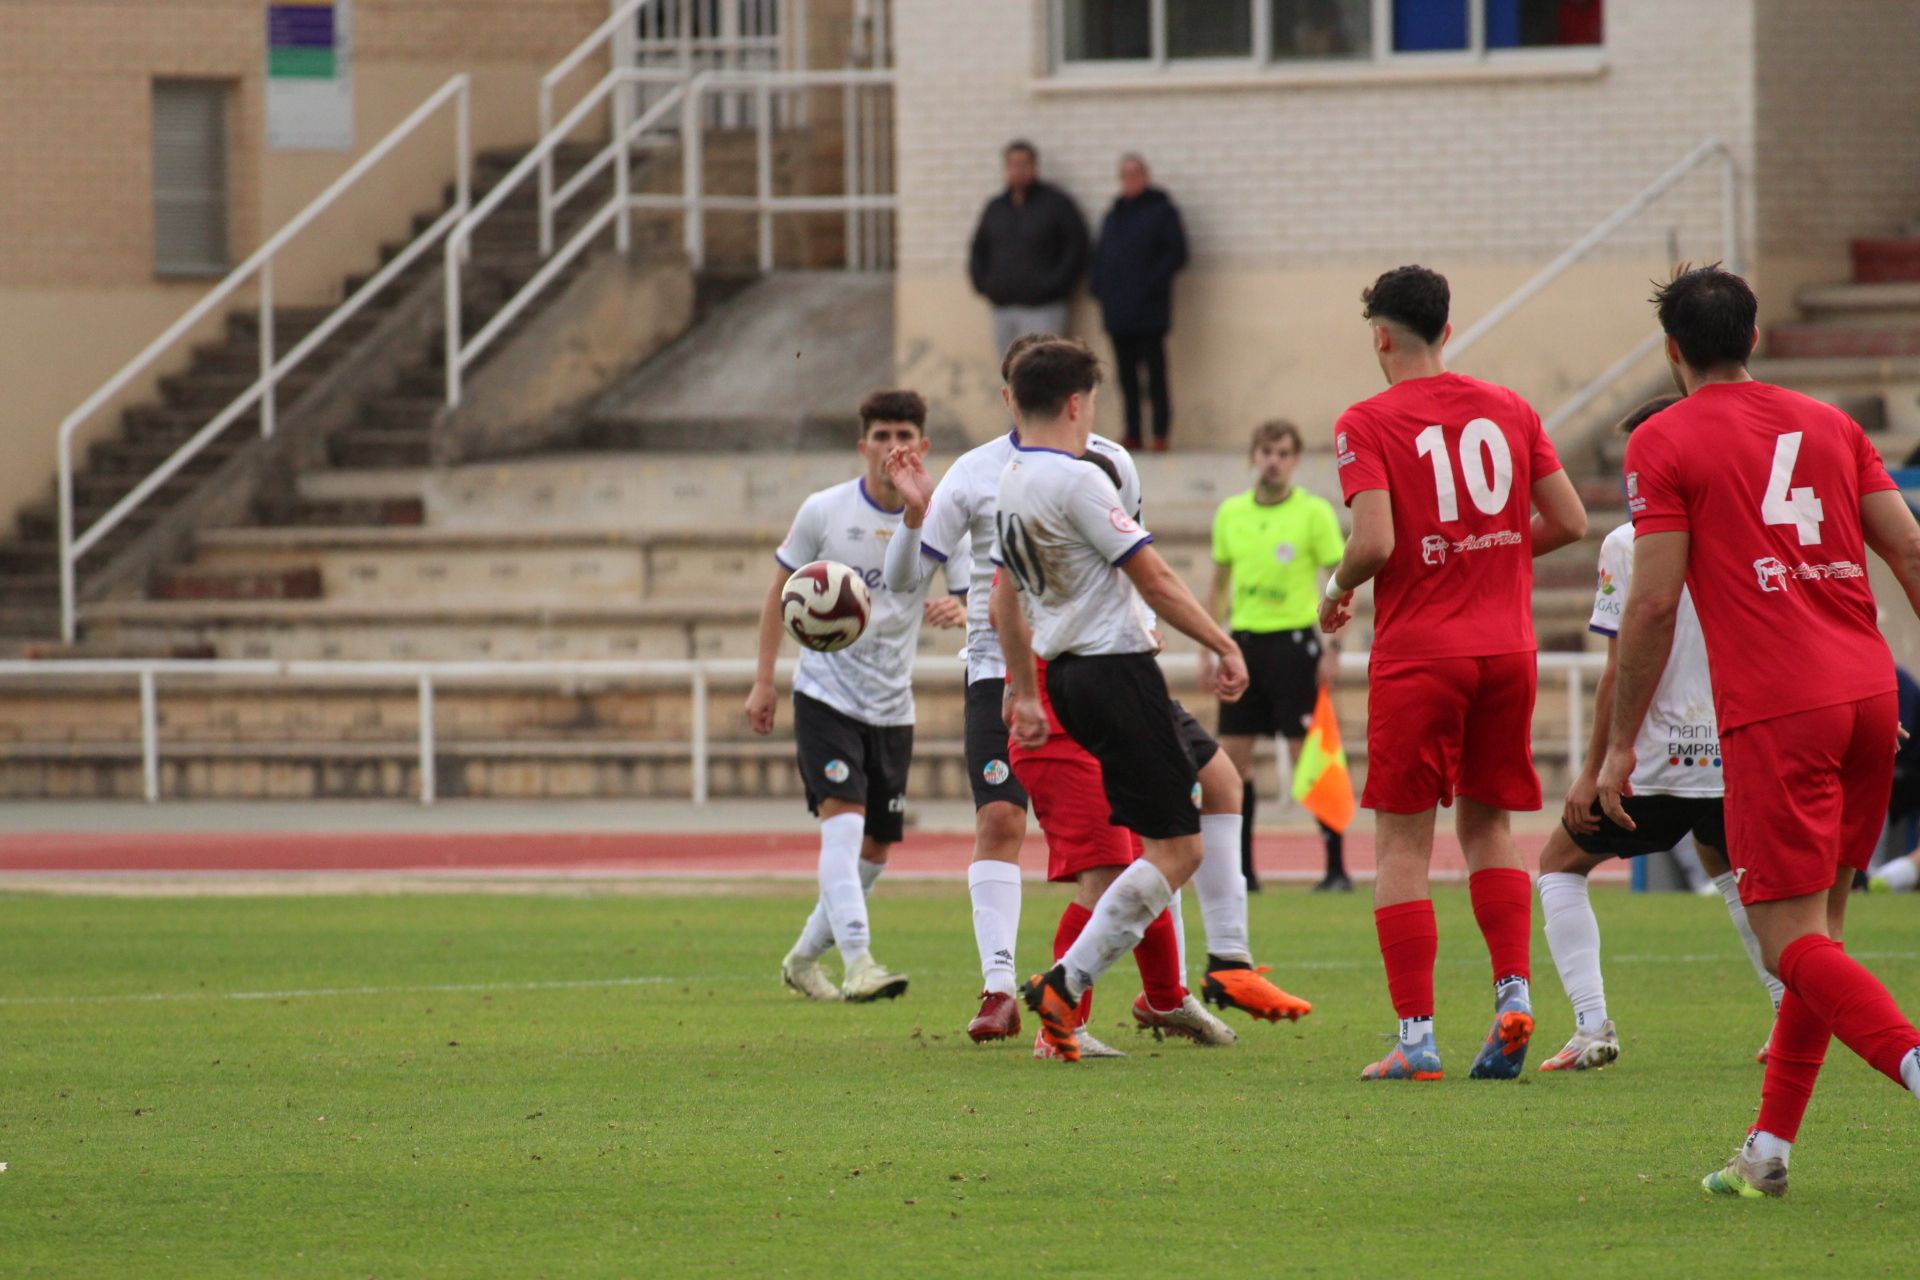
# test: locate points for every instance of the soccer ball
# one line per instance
(825, 606)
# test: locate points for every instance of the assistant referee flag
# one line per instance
(1321, 783)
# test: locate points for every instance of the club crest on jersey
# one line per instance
(994, 772)
(1121, 521)
(1635, 503)
(1341, 455)
(1771, 573)
(1284, 553)
(1433, 549)
(837, 771)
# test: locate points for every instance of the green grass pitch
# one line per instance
(619, 1086)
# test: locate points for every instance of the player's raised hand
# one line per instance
(1578, 814)
(946, 612)
(1028, 723)
(1615, 781)
(909, 476)
(1230, 681)
(760, 704)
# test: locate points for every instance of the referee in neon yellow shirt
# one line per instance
(1270, 547)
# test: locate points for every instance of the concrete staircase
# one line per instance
(393, 427)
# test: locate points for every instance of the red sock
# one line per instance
(1503, 904)
(1158, 956)
(1409, 940)
(1072, 921)
(1840, 991)
(1794, 1056)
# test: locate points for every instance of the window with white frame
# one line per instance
(1149, 33)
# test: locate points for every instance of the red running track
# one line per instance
(1282, 857)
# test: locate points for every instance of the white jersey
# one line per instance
(872, 678)
(1678, 750)
(1064, 533)
(962, 511)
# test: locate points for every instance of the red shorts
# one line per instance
(1441, 727)
(1071, 804)
(1807, 794)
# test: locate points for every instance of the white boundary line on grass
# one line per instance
(658, 980)
(455, 988)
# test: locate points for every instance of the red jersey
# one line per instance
(1459, 457)
(1767, 483)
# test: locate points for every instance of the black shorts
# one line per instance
(846, 759)
(1118, 708)
(988, 770)
(1201, 746)
(1660, 823)
(1283, 683)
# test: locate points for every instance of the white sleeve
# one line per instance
(905, 567)
(959, 569)
(802, 544)
(1094, 508)
(1610, 593)
(949, 517)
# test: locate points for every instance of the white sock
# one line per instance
(1222, 888)
(1762, 1145)
(1910, 1071)
(816, 937)
(840, 891)
(1900, 875)
(1179, 933)
(1729, 887)
(995, 889)
(1573, 936)
(1415, 1030)
(1119, 919)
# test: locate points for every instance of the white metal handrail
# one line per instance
(272, 369)
(699, 674)
(1581, 400)
(778, 30)
(686, 95)
(460, 353)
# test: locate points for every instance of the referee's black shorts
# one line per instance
(1118, 708)
(1283, 683)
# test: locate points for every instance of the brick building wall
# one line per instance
(1295, 193)
(1837, 134)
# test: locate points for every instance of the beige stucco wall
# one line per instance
(1296, 194)
(78, 296)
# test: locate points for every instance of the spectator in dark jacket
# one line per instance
(1142, 246)
(1028, 252)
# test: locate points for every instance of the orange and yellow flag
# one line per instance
(1321, 783)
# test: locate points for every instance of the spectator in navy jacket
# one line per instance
(1142, 246)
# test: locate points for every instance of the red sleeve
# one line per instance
(1354, 449)
(1654, 492)
(1546, 459)
(1872, 470)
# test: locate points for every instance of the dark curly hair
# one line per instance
(1413, 297)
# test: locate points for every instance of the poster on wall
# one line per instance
(310, 76)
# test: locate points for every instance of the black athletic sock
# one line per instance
(1336, 846)
(1215, 963)
(1248, 798)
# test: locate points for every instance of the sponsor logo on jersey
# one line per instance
(994, 772)
(1195, 793)
(898, 804)
(1606, 583)
(1121, 521)
(1434, 548)
(1284, 553)
(837, 771)
(1635, 503)
(883, 534)
(1771, 574)
(1341, 454)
